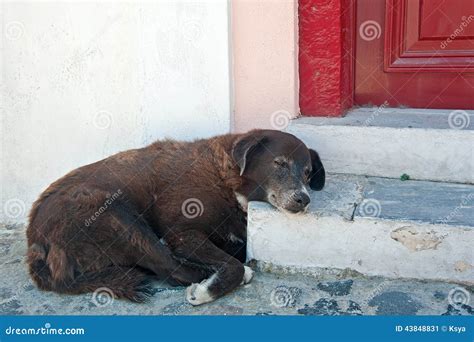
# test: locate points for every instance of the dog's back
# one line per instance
(79, 213)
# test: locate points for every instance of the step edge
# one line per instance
(257, 206)
(444, 130)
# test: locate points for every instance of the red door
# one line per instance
(415, 53)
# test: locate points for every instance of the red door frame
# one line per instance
(327, 36)
(326, 60)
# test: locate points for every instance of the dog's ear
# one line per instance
(317, 178)
(244, 147)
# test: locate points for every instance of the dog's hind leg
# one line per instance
(227, 271)
(150, 253)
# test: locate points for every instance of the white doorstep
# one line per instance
(386, 142)
(376, 226)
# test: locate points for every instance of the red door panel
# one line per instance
(416, 53)
(452, 11)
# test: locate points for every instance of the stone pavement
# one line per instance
(273, 291)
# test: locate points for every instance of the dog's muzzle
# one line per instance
(299, 200)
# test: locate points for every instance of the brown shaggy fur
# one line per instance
(112, 223)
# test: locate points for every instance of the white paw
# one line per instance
(197, 294)
(248, 275)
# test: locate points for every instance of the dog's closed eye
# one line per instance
(280, 162)
(307, 173)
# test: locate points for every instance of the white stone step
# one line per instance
(376, 226)
(386, 142)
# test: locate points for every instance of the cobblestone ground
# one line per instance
(271, 293)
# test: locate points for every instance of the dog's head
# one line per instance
(277, 167)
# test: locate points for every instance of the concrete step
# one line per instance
(387, 142)
(375, 226)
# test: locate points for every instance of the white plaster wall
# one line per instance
(83, 80)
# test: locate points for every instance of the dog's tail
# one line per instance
(113, 281)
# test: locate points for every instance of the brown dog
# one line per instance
(173, 209)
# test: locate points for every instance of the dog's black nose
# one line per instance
(301, 198)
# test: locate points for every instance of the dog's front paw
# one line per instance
(248, 275)
(197, 294)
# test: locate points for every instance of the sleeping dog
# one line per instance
(175, 210)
